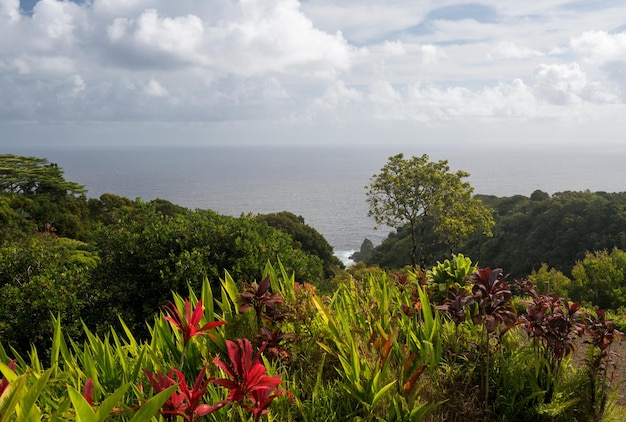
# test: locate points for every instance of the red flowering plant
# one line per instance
(248, 382)
(4, 383)
(184, 402)
(88, 389)
(189, 323)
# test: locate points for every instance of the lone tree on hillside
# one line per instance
(418, 194)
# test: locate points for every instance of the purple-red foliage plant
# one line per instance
(555, 323)
(601, 361)
(271, 341)
(258, 297)
(492, 294)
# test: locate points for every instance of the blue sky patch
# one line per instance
(28, 5)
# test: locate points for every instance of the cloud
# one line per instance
(310, 62)
(255, 37)
(10, 11)
(568, 84)
(155, 89)
(600, 46)
(510, 50)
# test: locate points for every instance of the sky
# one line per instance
(350, 72)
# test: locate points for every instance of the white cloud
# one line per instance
(54, 23)
(155, 89)
(9, 11)
(600, 46)
(510, 50)
(567, 84)
(316, 62)
(177, 38)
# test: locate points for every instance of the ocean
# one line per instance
(325, 185)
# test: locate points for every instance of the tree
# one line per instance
(40, 276)
(305, 238)
(600, 279)
(31, 175)
(417, 193)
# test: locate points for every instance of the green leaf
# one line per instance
(12, 394)
(231, 288)
(382, 392)
(27, 404)
(207, 299)
(152, 406)
(138, 364)
(57, 337)
(107, 406)
(129, 335)
(84, 412)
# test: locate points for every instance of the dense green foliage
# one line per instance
(146, 254)
(97, 258)
(557, 230)
(40, 276)
(600, 279)
(304, 237)
(419, 194)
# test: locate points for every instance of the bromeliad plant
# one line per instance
(448, 278)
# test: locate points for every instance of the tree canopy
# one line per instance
(416, 193)
(304, 237)
(555, 229)
(31, 175)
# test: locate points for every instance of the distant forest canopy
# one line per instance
(557, 230)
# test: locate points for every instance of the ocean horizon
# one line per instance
(324, 185)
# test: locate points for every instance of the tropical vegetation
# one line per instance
(118, 309)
